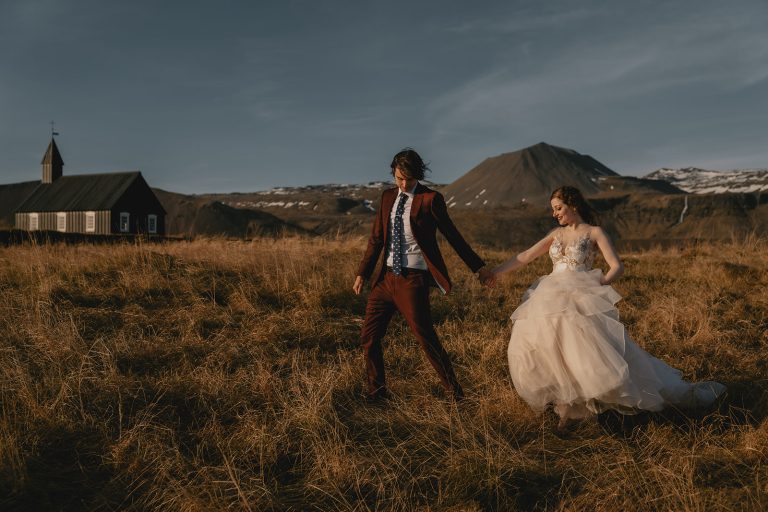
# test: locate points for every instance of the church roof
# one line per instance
(52, 155)
(11, 196)
(83, 192)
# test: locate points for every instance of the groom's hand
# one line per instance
(486, 276)
(358, 286)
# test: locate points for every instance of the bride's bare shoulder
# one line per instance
(597, 233)
(554, 232)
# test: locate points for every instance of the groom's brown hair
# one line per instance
(410, 163)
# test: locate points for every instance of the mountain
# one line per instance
(525, 176)
(701, 181)
(196, 215)
(316, 209)
(307, 200)
(682, 216)
(622, 185)
(216, 218)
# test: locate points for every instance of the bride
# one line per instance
(568, 347)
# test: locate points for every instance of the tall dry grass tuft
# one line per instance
(216, 374)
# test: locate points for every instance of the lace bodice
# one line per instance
(574, 255)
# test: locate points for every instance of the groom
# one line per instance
(405, 227)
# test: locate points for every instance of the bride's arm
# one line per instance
(616, 267)
(525, 257)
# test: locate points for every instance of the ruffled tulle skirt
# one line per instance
(568, 348)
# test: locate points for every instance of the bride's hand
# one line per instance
(487, 277)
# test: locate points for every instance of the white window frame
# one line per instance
(90, 222)
(61, 221)
(125, 222)
(152, 223)
(34, 222)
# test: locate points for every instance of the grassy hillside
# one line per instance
(633, 210)
(216, 375)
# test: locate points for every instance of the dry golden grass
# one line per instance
(219, 375)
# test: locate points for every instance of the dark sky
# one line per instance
(223, 96)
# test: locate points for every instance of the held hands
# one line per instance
(487, 277)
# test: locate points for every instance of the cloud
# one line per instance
(522, 21)
(32, 13)
(502, 93)
(722, 53)
(260, 98)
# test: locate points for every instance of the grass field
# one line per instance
(219, 375)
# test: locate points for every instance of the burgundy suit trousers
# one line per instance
(410, 296)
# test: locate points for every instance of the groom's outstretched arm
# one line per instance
(372, 251)
(449, 231)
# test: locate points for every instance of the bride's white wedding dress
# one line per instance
(569, 349)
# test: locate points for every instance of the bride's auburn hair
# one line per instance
(573, 197)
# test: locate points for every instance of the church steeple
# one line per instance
(53, 165)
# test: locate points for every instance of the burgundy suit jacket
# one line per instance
(428, 214)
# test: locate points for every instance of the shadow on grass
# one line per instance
(66, 473)
(745, 403)
(158, 359)
(344, 302)
(86, 299)
(527, 489)
(386, 428)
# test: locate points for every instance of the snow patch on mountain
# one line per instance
(701, 181)
(330, 187)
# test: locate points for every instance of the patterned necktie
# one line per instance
(397, 236)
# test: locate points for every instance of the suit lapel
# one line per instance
(418, 195)
(386, 209)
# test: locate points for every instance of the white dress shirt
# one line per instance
(411, 252)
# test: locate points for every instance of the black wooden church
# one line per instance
(110, 203)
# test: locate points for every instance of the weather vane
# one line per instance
(53, 131)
